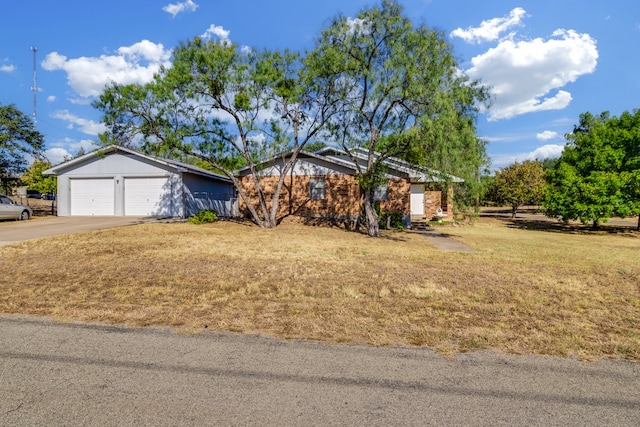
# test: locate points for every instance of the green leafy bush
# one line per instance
(391, 220)
(386, 219)
(204, 216)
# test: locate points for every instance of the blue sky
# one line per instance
(546, 61)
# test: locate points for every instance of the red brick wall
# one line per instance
(342, 196)
(438, 200)
(398, 196)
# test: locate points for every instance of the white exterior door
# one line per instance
(92, 196)
(417, 199)
(147, 196)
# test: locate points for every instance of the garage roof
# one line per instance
(112, 149)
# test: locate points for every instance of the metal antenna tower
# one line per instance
(34, 88)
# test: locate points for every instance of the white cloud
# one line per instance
(564, 121)
(357, 25)
(80, 101)
(152, 52)
(133, 64)
(56, 155)
(548, 151)
(527, 76)
(67, 148)
(177, 8)
(217, 31)
(546, 135)
(51, 98)
(74, 122)
(223, 37)
(491, 29)
(505, 138)
(7, 68)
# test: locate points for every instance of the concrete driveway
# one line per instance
(18, 231)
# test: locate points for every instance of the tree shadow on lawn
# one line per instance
(555, 226)
(392, 235)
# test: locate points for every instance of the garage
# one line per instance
(92, 196)
(147, 196)
(120, 181)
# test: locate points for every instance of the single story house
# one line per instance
(323, 185)
(119, 181)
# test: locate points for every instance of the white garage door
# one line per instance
(92, 196)
(147, 196)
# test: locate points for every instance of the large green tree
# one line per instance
(35, 180)
(520, 183)
(598, 174)
(400, 95)
(627, 131)
(447, 143)
(19, 140)
(225, 107)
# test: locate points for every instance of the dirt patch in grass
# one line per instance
(521, 291)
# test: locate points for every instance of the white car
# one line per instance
(12, 210)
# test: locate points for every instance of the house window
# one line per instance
(317, 189)
(380, 194)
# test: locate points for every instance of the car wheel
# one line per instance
(24, 215)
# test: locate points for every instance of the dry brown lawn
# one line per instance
(558, 292)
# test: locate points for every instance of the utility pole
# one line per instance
(34, 88)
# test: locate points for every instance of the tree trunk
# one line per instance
(514, 211)
(373, 228)
(269, 222)
(275, 198)
(264, 220)
(638, 222)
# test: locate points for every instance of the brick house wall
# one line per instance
(398, 196)
(343, 199)
(435, 198)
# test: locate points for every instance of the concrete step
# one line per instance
(420, 226)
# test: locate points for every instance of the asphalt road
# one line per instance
(72, 374)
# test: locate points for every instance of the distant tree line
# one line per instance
(596, 177)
